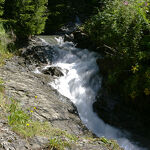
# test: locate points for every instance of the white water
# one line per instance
(80, 84)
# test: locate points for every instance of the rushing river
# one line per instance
(80, 83)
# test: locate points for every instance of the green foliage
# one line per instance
(122, 31)
(17, 116)
(1, 86)
(4, 40)
(119, 26)
(110, 143)
(20, 121)
(64, 11)
(58, 144)
(59, 13)
(1, 7)
(28, 16)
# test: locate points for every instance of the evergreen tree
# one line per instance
(63, 11)
(29, 16)
(1, 7)
(60, 12)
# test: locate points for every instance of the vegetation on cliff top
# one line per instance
(60, 12)
(23, 19)
(32, 17)
(4, 40)
(122, 31)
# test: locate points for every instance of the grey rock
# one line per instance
(69, 37)
(53, 71)
(23, 85)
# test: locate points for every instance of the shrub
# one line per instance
(119, 26)
(122, 31)
(1, 7)
(62, 12)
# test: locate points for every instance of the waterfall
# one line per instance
(80, 83)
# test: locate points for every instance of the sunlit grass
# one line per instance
(20, 120)
(58, 144)
(4, 53)
(21, 123)
(3, 104)
(3, 56)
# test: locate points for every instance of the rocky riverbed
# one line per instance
(23, 85)
(109, 105)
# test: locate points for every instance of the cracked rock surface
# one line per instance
(23, 85)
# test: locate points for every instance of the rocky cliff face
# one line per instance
(23, 85)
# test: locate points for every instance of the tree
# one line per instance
(62, 12)
(1, 7)
(28, 16)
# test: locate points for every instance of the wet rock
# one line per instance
(51, 106)
(69, 37)
(53, 71)
(121, 115)
(23, 85)
(38, 54)
(114, 110)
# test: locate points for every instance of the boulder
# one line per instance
(53, 71)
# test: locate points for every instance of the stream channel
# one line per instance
(81, 83)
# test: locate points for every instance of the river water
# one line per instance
(80, 83)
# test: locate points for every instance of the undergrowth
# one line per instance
(4, 42)
(20, 122)
(121, 30)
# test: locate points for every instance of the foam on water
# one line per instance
(80, 83)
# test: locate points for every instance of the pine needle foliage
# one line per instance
(27, 16)
(1, 7)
